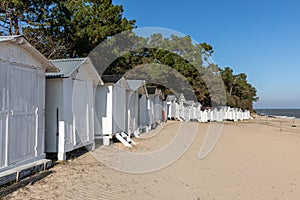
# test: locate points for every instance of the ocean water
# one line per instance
(280, 112)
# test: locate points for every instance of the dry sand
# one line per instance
(251, 160)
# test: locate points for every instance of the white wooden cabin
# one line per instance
(150, 113)
(190, 106)
(22, 102)
(227, 109)
(187, 111)
(215, 114)
(204, 116)
(220, 114)
(246, 114)
(235, 114)
(158, 106)
(240, 114)
(137, 88)
(143, 121)
(209, 114)
(111, 107)
(164, 110)
(70, 106)
(181, 101)
(155, 96)
(176, 110)
(172, 107)
(198, 112)
(230, 114)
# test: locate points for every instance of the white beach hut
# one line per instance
(150, 113)
(221, 114)
(226, 115)
(230, 114)
(22, 103)
(214, 114)
(165, 110)
(156, 97)
(204, 116)
(181, 101)
(240, 114)
(210, 114)
(176, 110)
(246, 114)
(191, 110)
(137, 88)
(143, 120)
(235, 114)
(111, 107)
(70, 106)
(198, 112)
(187, 111)
(173, 107)
(158, 105)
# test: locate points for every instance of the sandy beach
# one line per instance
(252, 159)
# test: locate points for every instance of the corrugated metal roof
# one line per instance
(66, 66)
(21, 40)
(122, 83)
(111, 78)
(171, 97)
(135, 84)
(69, 66)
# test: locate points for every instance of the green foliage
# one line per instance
(94, 21)
(240, 93)
(179, 53)
(186, 59)
(15, 14)
(64, 28)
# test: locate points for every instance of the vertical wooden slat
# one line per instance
(4, 74)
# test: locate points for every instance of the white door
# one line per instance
(22, 125)
(80, 111)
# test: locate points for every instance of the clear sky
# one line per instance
(258, 37)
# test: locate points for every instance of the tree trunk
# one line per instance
(10, 26)
(16, 26)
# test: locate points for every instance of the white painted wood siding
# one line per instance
(21, 112)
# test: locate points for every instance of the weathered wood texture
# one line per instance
(22, 99)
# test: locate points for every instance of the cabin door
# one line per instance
(82, 103)
(23, 124)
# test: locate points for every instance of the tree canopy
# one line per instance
(72, 28)
(188, 60)
(63, 28)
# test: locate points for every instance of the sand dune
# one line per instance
(251, 160)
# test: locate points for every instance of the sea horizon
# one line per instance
(279, 112)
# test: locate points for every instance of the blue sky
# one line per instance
(259, 38)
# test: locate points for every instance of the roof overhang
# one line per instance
(23, 42)
(69, 67)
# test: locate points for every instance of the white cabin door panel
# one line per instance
(41, 86)
(90, 111)
(119, 117)
(80, 111)
(23, 124)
